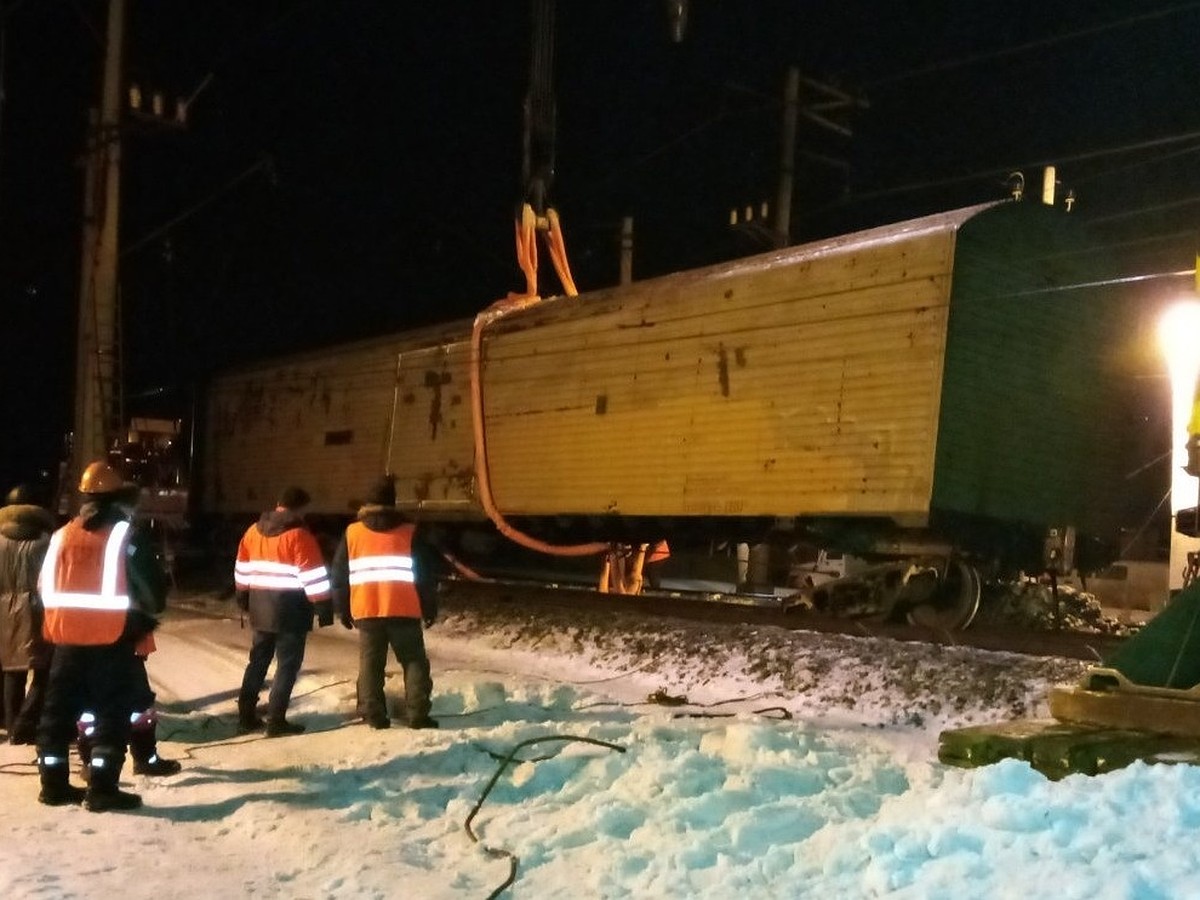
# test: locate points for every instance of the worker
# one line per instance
(25, 528)
(281, 581)
(143, 720)
(657, 554)
(101, 596)
(384, 579)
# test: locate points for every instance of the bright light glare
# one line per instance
(1179, 336)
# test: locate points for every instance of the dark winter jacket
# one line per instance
(24, 535)
(284, 609)
(144, 570)
(429, 566)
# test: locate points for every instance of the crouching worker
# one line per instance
(143, 727)
(384, 580)
(97, 585)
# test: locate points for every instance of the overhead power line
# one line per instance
(1001, 52)
(1036, 164)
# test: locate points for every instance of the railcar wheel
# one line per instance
(956, 602)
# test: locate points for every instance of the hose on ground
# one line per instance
(496, 852)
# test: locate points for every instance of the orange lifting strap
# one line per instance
(527, 257)
(527, 229)
(622, 569)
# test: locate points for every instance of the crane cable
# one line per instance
(535, 216)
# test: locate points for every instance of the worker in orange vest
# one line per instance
(281, 582)
(100, 599)
(143, 720)
(384, 579)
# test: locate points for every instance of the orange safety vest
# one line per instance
(83, 585)
(289, 561)
(381, 572)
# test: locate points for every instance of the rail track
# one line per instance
(759, 610)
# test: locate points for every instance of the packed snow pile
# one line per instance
(647, 758)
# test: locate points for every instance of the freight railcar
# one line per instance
(936, 396)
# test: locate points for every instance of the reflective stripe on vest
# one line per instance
(381, 568)
(260, 574)
(381, 572)
(83, 586)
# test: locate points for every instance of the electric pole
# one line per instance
(98, 404)
(627, 250)
(787, 161)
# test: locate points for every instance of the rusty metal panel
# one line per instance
(801, 382)
(432, 450)
(324, 421)
(317, 424)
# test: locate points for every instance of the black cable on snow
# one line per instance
(496, 852)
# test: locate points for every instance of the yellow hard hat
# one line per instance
(100, 478)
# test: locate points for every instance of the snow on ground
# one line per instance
(776, 764)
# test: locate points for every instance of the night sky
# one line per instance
(351, 167)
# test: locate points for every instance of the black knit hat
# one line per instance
(21, 494)
(382, 491)
(294, 498)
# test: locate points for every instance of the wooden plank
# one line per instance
(1159, 713)
(1057, 749)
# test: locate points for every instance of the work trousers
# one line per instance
(98, 679)
(407, 641)
(22, 705)
(287, 649)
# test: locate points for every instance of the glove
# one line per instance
(347, 620)
(242, 599)
(324, 615)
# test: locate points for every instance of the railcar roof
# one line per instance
(460, 329)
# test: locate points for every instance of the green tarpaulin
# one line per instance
(1166, 652)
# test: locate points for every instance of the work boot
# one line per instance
(156, 765)
(379, 722)
(250, 724)
(248, 718)
(424, 722)
(282, 728)
(143, 747)
(103, 800)
(22, 733)
(57, 789)
(67, 796)
(102, 792)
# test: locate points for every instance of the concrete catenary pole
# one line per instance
(787, 160)
(626, 249)
(97, 394)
